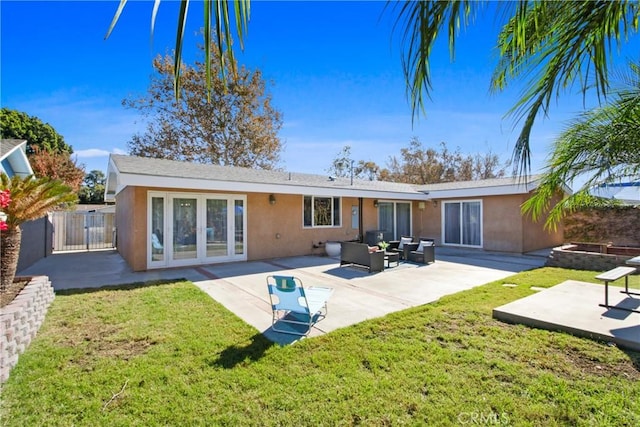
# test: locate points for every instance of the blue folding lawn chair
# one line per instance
(296, 309)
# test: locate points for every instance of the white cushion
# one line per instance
(422, 244)
(403, 241)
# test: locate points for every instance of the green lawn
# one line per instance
(167, 354)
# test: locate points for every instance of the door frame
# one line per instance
(480, 223)
(201, 258)
(395, 216)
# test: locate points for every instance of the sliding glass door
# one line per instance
(394, 218)
(462, 223)
(188, 229)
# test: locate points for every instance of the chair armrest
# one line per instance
(408, 247)
(376, 261)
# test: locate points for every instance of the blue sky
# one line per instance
(335, 69)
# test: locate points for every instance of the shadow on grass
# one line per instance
(119, 287)
(235, 354)
(635, 358)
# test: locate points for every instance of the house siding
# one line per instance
(504, 229)
(131, 217)
(276, 230)
(427, 222)
(272, 230)
(536, 237)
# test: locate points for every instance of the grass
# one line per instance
(166, 354)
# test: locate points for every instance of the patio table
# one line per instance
(392, 257)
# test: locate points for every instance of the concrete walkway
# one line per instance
(241, 287)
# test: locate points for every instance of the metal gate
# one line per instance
(83, 231)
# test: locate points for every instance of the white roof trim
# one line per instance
(17, 158)
(125, 180)
(501, 190)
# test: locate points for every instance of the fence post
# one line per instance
(86, 228)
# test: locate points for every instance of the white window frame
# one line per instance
(443, 224)
(395, 216)
(333, 220)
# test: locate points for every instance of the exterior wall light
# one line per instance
(375, 203)
(272, 199)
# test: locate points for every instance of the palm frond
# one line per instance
(556, 45)
(420, 23)
(219, 10)
(32, 198)
(601, 146)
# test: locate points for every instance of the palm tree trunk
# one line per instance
(9, 253)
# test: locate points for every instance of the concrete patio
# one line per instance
(241, 287)
(573, 307)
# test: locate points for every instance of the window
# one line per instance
(321, 211)
(463, 223)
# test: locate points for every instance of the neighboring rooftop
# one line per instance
(627, 192)
(13, 157)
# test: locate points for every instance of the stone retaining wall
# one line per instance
(563, 257)
(20, 321)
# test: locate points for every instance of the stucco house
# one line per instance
(171, 213)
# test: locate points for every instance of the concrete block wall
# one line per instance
(595, 261)
(21, 320)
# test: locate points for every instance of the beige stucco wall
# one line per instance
(275, 230)
(272, 230)
(427, 222)
(131, 217)
(504, 228)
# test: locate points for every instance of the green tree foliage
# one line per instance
(601, 146)
(420, 165)
(48, 154)
(92, 191)
(238, 127)
(18, 125)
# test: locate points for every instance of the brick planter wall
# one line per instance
(563, 257)
(20, 321)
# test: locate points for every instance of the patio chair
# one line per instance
(423, 252)
(296, 309)
(404, 240)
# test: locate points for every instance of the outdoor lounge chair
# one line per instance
(296, 309)
(423, 252)
(400, 246)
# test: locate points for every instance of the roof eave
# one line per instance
(503, 190)
(137, 180)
